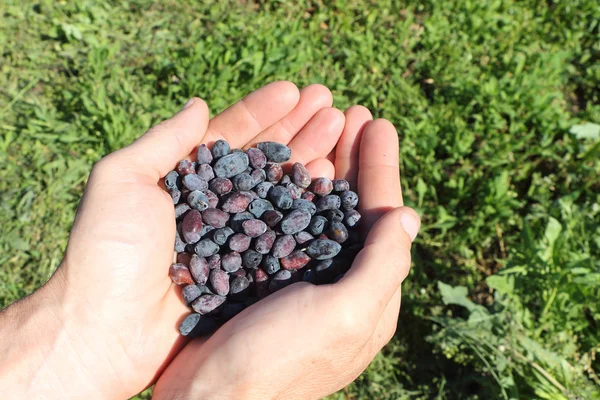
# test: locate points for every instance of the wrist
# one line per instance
(43, 347)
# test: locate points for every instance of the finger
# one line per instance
(378, 171)
(318, 137)
(346, 152)
(242, 121)
(321, 167)
(158, 150)
(383, 263)
(312, 99)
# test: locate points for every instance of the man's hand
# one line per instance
(105, 325)
(306, 341)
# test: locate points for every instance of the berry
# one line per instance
(259, 206)
(221, 235)
(243, 182)
(191, 226)
(296, 260)
(254, 227)
(258, 176)
(231, 262)
(280, 197)
(175, 196)
(333, 215)
(206, 248)
(262, 189)
(305, 205)
(190, 293)
(181, 209)
(307, 195)
(338, 232)
(317, 225)
(294, 190)
(251, 259)
(185, 167)
(237, 202)
(207, 303)
(219, 282)
(257, 157)
(274, 172)
(199, 269)
(220, 148)
(180, 274)
(203, 155)
(206, 172)
(215, 217)
(275, 152)
(214, 261)
(264, 243)
(349, 199)
(239, 242)
(179, 244)
(300, 175)
(272, 217)
(220, 186)
(238, 289)
(303, 237)
(295, 221)
(322, 186)
(171, 180)
(331, 201)
(283, 246)
(340, 185)
(238, 219)
(194, 182)
(322, 249)
(198, 200)
(351, 218)
(231, 165)
(270, 264)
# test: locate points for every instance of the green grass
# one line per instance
(502, 301)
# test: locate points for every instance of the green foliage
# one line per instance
(497, 105)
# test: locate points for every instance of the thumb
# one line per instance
(157, 151)
(384, 262)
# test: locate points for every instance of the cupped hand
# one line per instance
(114, 280)
(306, 341)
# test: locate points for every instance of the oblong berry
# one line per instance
(206, 172)
(191, 227)
(351, 218)
(181, 209)
(220, 186)
(203, 155)
(220, 236)
(349, 200)
(220, 148)
(172, 180)
(259, 206)
(305, 205)
(295, 221)
(322, 249)
(185, 167)
(230, 165)
(198, 200)
(219, 282)
(338, 232)
(214, 261)
(215, 217)
(194, 182)
(239, 242)
(280, 280)
(243, 182)
(331, 201)
(275, 152)
(190, 293)
(254, 227)
(236, 221)
(272, 217)
(303, 237)
(206, 248)
(236, 202)
(262, 189)
(199, 269)
(257, 157)
(274, 172)
(280, 197)
(321, 186)
(251, 259)
(296, 260)
(231, 262)
(264, 243)
(283, 246)
(300, 175)
(180, 274)
(207, 303)
(271, 264)
(340, 185)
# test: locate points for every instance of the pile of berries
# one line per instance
(245, 229)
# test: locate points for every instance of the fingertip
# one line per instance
(288, 91)
(319, 94)
(358, 112)
(411, 222)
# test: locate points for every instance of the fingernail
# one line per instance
(411, 225)
(188, 104)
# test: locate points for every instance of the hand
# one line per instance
(306, 341)
(105, 325)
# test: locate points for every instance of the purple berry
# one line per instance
(322, 186)
(231, 262)
(179, 244)
(180, 274)
(254, 227)
(333, 215)
(195, 325)
(181, 209)
(238, 289)
(272, 217)
(294, 190)
(280, 280)
(295, 221)
(208, 303)
(340, 185)
(206, 172)
(283, 246)
(221, 186)
(310, 196)
(219, 282)
(258, 176)
(300, 175)
(237, 202)
(271, 264)
(239, 242)
(214, 261)
(175, 196)
(285, 179)
(351, 218)
(199, 269)
(264, 243)
(203, 155)
(274, 172)
(257, 157)
(236, 221)
(184, 258)
(215, 217)
(303, 237)
(191, 226)
(185, 167)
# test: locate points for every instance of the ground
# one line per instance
(496, 105)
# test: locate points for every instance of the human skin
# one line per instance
(104, 326)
